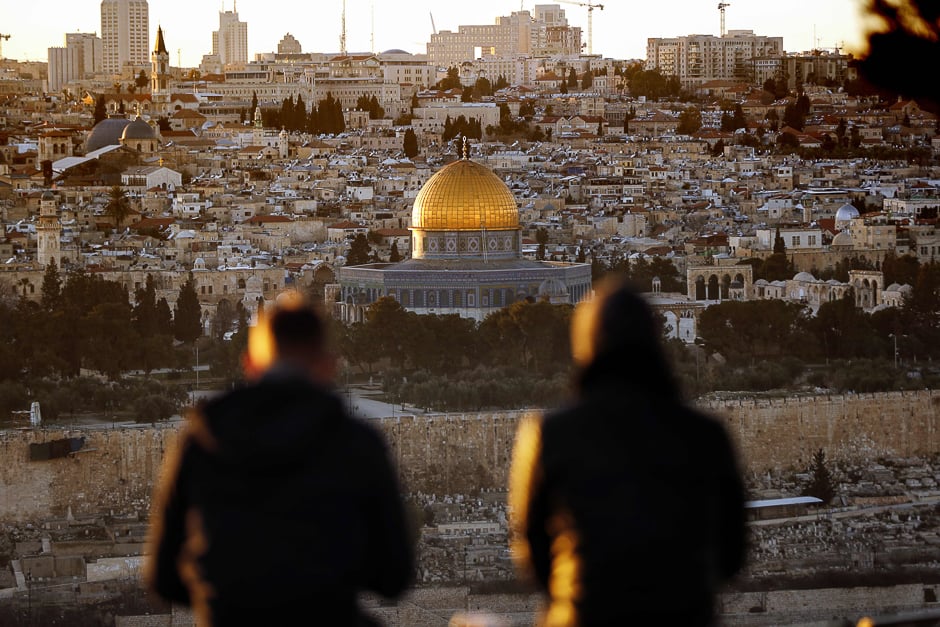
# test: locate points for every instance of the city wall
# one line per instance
(464, 453)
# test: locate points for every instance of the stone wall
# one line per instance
(465, 453)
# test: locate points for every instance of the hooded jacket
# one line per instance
(627, 506)
(277, 500)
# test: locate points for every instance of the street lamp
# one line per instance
(896, 352)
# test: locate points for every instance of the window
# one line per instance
(795, 240)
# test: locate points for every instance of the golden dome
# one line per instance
(464, 196)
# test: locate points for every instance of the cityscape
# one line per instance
(447, 210)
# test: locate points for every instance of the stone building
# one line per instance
(466, 255)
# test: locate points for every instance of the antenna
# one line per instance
(372, 39)
(179, 57)
(342, 35)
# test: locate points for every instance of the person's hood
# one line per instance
(276, 422)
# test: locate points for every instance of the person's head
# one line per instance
(294, 334)
(616, 332)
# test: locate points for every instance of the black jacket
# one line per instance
(278, 501)
(627, 506)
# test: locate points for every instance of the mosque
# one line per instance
(466, 246)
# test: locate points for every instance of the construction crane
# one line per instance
(721, 8)
(2, 37)
(590, 8)
(433, 27)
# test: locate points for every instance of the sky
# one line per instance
(620, 29)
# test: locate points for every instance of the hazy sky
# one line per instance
(620, 28)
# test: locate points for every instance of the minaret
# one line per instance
(258, 132)
(48, 231)
(160, 72)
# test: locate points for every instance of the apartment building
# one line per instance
(696, 59)
(544, 31)
(125, 34)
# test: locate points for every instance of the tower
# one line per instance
(257, 134)
(125, 33)
(159, 71)
(48, 231)
(230, 42)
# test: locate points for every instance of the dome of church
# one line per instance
(138, 129)
(107, 132)
(465, 196)
(843, 239)
(845, 213)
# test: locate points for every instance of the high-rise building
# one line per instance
(695, 59)
(543, 32)
(80, 58)
(125, 33)
(289, 45)
(230, 42)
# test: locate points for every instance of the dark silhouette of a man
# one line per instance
(626, 507)
(278, 508)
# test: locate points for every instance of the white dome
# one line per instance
(843, 239)
(804, 277)
(845, 213)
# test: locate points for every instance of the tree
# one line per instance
(587, 80)
(359, 251)
(119, 206)
(541, 236)
(187, 315)
(101, 111)
(482, 87)
(467, 94)
(393, 255)
(142, 80)
(820, 484)
(572, 79)
(690, 121)
(501, 83)
(254, 102)
(451, 81)
(51, 287)
(410, 143)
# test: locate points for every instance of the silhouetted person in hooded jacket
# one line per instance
(278, 508)
(627, 506)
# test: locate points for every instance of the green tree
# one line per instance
(483, 87)
(451, 81)
(690, 120)
(572, 82)
(142, 80)
(410, 143)
(187, 315)
(118, 207)
(587, 80)
(820, 484)
(360, 252)
(393, 255)
(51, 287)
(541, 237)
(101, 111)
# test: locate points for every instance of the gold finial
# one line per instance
(466, 147)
